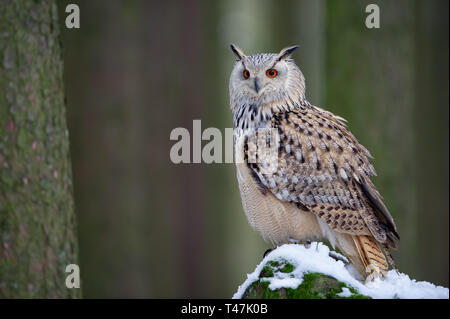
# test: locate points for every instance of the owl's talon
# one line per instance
(305, 242)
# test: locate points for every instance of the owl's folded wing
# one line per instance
(320, 166)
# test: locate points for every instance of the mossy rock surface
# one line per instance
(314, 285)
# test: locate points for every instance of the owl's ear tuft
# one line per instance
(286, 53)
(237, 51)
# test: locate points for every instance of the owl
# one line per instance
(302, 175)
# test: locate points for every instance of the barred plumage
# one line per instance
(316, 183)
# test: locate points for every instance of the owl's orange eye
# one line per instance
(271, 73)
(246, 74)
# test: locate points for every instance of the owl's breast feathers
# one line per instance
(320, 166)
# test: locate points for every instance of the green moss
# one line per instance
(266, 272)
(314, 285)
(260, 290)
(274, 266)
(287, 268)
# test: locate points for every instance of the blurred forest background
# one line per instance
(136, 69)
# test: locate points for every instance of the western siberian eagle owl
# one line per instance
(316, 183)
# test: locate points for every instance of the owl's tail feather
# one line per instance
(372, 256)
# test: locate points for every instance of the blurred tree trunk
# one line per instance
(370, 82)
(391, 84)
(140, 215)
(37, 222)
(309, 17)
(431, 120)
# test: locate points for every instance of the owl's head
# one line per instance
(265, 78)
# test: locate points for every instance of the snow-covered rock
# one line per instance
(296, 271)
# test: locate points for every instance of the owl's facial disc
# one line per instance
(265, 78)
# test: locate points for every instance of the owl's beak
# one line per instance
(257, 85)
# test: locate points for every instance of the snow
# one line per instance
(315, 258)
(345, 293)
